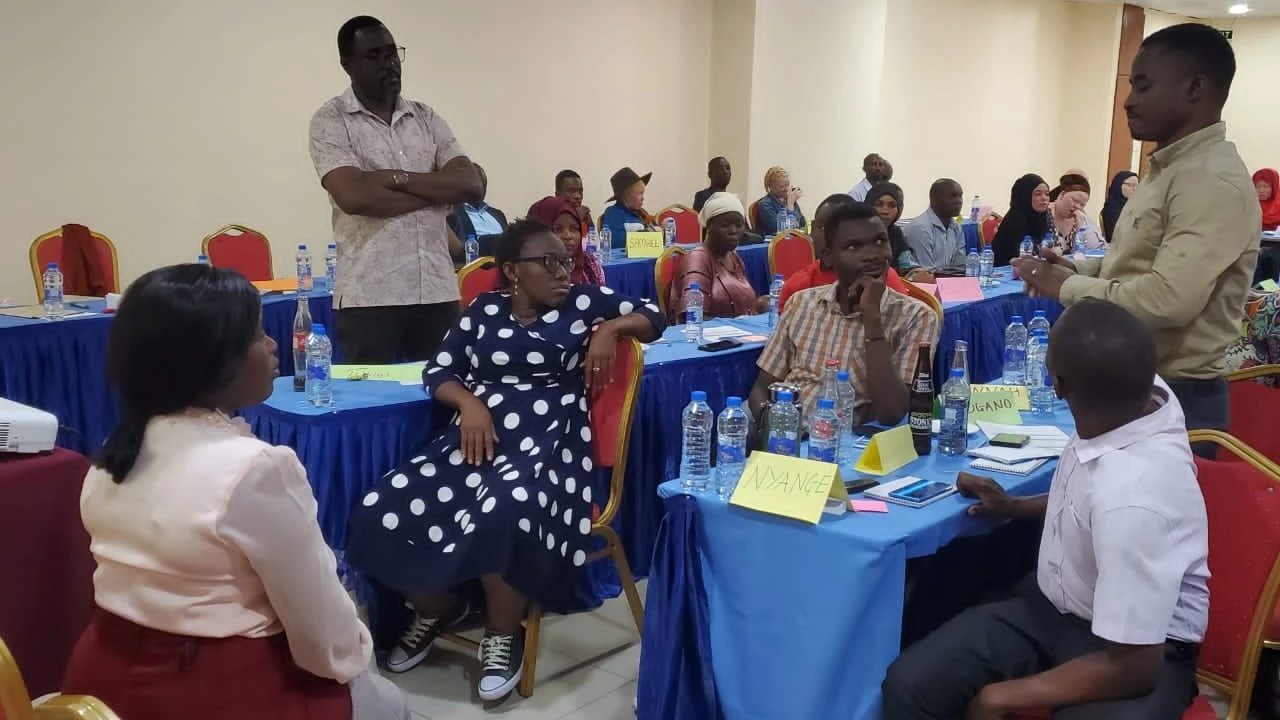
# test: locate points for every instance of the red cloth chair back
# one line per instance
(988, 228)
(476, 278)
(753, 215)
(789, 252)
(94, 275)
(665, 271)
(1255, 410)
(242, 249)
(612, 410)
(688, 229)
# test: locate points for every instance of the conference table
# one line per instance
(751, 615)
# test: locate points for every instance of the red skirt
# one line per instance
(145, 674)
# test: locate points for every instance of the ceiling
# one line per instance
(1206, 8)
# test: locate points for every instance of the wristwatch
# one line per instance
(400, 177)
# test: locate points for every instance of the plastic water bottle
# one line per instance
(1028, 247)
(975, 208)
(695, 453)
(331, 268)
(319, 363)
(1048, 242)
(731, 441)
(301, 332)
(52, 292)
(972, 265)
(1078, 247)
(784, 221)
(202, 260)
(830, 387)
(1039, 322)
(471, 248)
(844, 408)
(1039, 384)
(953, 436)
(775, 295)
(606, 245)
(1015, 352)
(303, 264)
(986, 267)
(824, 432)
(591, 244)
(960, 358)
(669, 232)
(693, 314)
(784, 426)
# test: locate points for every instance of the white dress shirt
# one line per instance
(1126, 539)
(859, 191)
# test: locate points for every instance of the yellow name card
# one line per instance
(887, 451)
(1000, 405)
(647, 244)
(1021, 398)
(788, 486)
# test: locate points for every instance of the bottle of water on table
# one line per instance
(784, 426)
(986, 267)
(52, 292)
(1049, 242)
(606, 245)
(775, 295)
(471, 248)
(319, 367)
(202, 260)
(591, 244)
(331, 268)
(668, 232)
(783, 221)
(731, 440)
(824, 432)
(1027, 248)
(1015, 352)
(693, 313)
(972, 265)
(1078, 247)
(975, 208)
(1039, 322)
(953, 435)
(844, 408)
(695, 453)
(1039, 384)
(303, 263)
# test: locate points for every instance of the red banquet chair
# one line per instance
(48, 249)
(753, 215)
(612, 410)
(1255, 410)
(987, 230)
(1242, 497)
(665, 270)
(242, 249)
(477, 277)
(688, 229)
(789, 252)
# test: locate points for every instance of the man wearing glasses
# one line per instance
(392, 168)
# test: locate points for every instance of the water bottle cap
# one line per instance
(202, 258)
(301, 246)
(1026, 238)
(333, 246)
(52, 266)
(1039, 314)
(698, 396)
(778, 276)
(317, 328)
(785, 396)
(733, 401)
(1015, 319)
(826, 404)
(843, 376)
(695, 286)
(471, 236)
(957, 372)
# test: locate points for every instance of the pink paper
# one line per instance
(960, 289)
(930, 288)
(871, 506)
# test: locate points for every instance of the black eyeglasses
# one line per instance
(383, 54)
(551, 262)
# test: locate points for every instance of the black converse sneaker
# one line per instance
(501, 664)
(416, 642)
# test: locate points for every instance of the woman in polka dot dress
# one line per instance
(503, 495)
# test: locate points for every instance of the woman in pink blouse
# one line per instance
(715, 265)
(217, 597)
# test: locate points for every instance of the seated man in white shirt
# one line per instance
(1112, 627)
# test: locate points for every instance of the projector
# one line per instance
(25, 429)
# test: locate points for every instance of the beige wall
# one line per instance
(1253, 110)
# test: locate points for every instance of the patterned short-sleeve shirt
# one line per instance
(402, 260)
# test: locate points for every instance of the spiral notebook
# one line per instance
(1025, 467)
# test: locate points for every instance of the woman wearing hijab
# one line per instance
(1267, 183)
(565, 222)
(1028, 215)
(715, 265)
(886, 198)
(1118, 193)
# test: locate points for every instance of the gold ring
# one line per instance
(1035, 270)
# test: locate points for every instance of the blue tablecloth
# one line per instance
(982, 325)
(635, 277)
(793, 620)
(60, 366)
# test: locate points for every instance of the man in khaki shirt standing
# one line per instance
(1185, 246)
(391, 167)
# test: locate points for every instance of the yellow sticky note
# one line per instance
(887, 451)
(407, 372)
(1021, 398)
(648, 244)
(1268, 285)
(788, 486)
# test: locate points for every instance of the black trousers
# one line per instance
(1207, 406)
(936, 678)
(393, 333)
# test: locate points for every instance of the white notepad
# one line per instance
(1023, 468)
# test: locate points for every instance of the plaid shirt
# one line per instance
(814, 328)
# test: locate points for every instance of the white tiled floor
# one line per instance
(587, 668)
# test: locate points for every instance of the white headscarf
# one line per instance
(719, 204)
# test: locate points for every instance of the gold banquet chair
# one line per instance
(15, 704)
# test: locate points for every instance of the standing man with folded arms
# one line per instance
(1184, 248)
(392, 168)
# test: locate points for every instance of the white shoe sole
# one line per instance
(408, 663)
(502, 690)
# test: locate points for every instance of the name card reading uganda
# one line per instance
(647, 244)
(787, 486)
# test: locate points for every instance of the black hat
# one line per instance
(625, 178)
